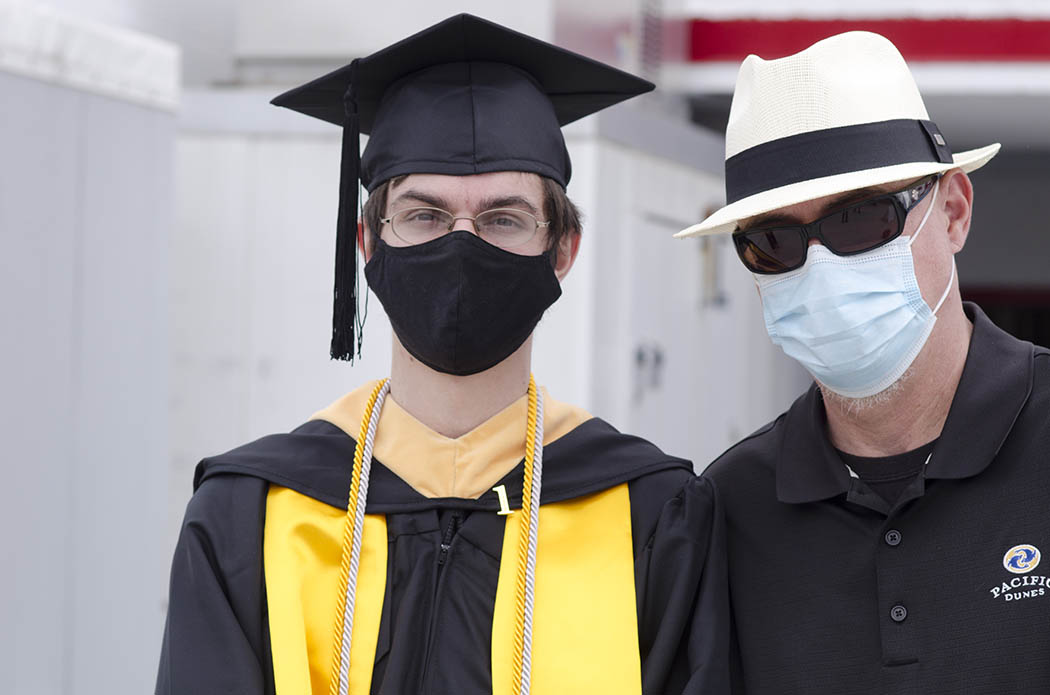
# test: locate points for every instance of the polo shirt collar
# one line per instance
(808, 467)
(995, 384)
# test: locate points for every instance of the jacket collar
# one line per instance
(995, 384)
(316, 460)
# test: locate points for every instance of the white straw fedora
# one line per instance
(842, 114)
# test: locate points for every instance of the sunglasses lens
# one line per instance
(771, 250)
(862, 227)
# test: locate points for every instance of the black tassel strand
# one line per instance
(344, 310)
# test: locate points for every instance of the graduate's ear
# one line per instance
(364, 240)
(567, 248)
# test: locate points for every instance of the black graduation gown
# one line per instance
(216, 638)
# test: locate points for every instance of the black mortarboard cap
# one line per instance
(465, 96)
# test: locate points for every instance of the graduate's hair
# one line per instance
(558, 208)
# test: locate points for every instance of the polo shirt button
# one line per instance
(893, 537)
(898, 613)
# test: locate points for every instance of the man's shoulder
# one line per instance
(577, 439)
(1038, 403)
(595, 438)
(751, 460)
(666, 495)
(1041, 369)
(595, 456)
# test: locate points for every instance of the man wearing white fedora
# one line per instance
(885, 533)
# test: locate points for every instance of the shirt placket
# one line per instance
(895, 597)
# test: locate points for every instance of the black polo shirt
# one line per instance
(835, 591)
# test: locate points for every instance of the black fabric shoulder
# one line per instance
(681, 578)
(596, 456)
(1039, 400)
(650, 494)
(758, 447)
(217, 581)
(315, 459)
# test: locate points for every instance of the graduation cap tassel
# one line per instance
(344, 309)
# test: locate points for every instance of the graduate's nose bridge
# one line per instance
(464, 223)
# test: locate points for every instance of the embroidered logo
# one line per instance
(1021, 559)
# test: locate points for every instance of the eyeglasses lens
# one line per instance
(506, 228)
(420, 225)
(771, 250)
(861, 227)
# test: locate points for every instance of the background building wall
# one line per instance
(1009, 240)
(205, 30)
(167, 269)
(85, 214)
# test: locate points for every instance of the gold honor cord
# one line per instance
(355, 512)
(530, 505)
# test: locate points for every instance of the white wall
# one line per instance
(85, 209)
(677, 350)
(252, 295)
(238, 41)
(204, 29)
(84, 219)
(331, 28)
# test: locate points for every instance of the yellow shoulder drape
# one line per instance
(585, 633)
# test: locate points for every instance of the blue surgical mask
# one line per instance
(856, 323)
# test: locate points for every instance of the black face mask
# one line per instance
(459, 304)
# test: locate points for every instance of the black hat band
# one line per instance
(821, 153)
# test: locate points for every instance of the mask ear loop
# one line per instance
(922, 223)
(946, 289)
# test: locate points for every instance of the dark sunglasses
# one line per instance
(856, 228)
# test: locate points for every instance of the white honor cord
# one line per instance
(530, 565)
(355, 551)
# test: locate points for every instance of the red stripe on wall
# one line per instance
(917, 39)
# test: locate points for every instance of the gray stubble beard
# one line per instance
(854, 407)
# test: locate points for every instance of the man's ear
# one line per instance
(957, 206)
(568, 247)
(364, 241)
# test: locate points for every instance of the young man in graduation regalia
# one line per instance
(451, 529)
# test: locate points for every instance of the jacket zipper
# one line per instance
(446, 545)
(446, 540)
